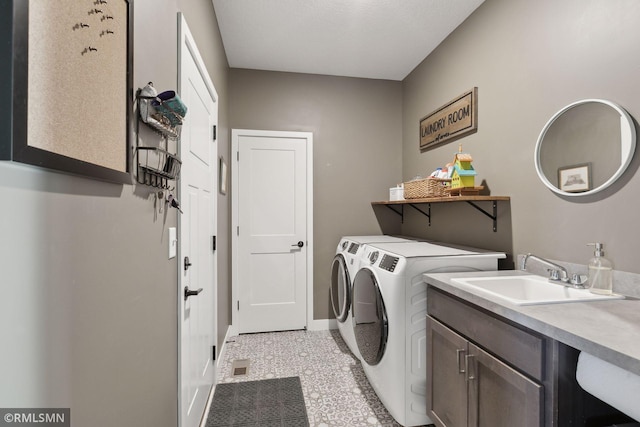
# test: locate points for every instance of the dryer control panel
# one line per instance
(353, 249)
(389, 262)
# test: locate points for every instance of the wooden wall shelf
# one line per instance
(471, 200)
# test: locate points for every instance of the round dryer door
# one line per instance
(370, 323)
(340, 288)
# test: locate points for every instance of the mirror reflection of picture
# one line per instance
(575, 179)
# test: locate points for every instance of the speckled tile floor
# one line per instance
(335, 388)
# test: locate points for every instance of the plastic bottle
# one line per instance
(600, 272)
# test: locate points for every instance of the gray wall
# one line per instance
(528, 60)
(88, 302)
(356, 127)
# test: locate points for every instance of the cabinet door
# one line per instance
(446, 385)
(499, 396)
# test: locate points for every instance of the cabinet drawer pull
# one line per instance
(468, 364)
(461, 370)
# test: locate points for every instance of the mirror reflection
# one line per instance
(585, 147)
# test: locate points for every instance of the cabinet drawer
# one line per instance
(520, 348)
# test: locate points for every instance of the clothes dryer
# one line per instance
(389, 309)
(343, 268)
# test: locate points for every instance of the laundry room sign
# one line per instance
(454, 120)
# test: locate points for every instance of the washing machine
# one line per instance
(389, 309)
(343, 268)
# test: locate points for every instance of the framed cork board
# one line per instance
(71, 89)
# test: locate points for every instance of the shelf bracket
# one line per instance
(427, 214)
(400, 212)
(494, 217)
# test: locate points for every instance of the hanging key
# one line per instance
(173, 202)
(161, 201)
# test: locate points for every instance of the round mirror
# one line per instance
(585, 147)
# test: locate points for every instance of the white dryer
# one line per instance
(389, 309)
(343, 268)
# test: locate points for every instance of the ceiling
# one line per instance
(377, 39)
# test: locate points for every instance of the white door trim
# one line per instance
(186, 39)
(235, 135)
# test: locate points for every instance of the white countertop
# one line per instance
(609, 329)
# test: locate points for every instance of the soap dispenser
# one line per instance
(600, 272)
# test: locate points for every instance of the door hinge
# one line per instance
(237, 230)
(213, 353)
(215, 133)
(238, 304)
(213, 238)
(237, 155)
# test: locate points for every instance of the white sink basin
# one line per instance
(530, 290)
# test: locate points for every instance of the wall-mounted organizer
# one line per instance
(157, 166)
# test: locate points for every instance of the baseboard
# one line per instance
(230, 333)
(322, 324)
(203, 421)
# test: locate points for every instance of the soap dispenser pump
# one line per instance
(600, 272)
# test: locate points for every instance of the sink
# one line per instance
(530, 290)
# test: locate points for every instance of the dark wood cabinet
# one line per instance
(499, 396)
(486, 371)
(467, 386)
(446, 376)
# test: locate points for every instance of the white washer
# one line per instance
(389, 309)
(344, 267)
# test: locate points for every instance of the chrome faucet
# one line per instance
(557, 273)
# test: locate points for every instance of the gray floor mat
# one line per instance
(265, 403)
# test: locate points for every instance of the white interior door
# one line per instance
(272, 230)
(197, 225)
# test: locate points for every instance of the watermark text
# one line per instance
(35, 417)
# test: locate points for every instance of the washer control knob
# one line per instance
(373, 257)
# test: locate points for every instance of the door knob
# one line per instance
(299, 244)
(189, 293)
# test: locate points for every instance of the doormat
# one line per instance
(265, 403)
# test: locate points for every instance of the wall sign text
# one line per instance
(452, 121)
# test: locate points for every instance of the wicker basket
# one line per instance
(428, 187)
